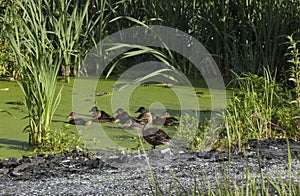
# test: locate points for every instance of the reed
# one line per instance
(241, 35)
(255, 108)
(38, 66)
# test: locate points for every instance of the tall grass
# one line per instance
(38, 64)
(294, 60)
(241, 35)
(45, 37)
(258, 110)
(245, 34)
(69, 21)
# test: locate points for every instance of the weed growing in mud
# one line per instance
(61, 140)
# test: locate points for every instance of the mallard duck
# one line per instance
(77, 121)
(154, 136)
(165, 119)
(130, 124)
(96, 112)
(101, 116)
(142, 110)
(122, 116)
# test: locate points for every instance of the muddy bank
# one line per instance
(107, 173)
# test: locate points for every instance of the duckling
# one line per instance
(130, 124)
(141, 110)
(154, 136)
(77, 121)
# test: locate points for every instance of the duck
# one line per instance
(152, 135)
(101, 116)
(122, 116)
(170, 120)
(165, 119)
(142, 110)
(96, 112)
(78, 121)
(130, 124)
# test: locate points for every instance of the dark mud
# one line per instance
(105, 173)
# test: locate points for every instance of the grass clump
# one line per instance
(62, 140)
(260, 109)
(256, 103)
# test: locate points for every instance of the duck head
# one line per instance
(119, 111)
(93, 109)
(140, 110)
(72, 115)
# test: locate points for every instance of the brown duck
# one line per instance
(77, 121)
(142, 110)
(130, 124)
(122, 116)
(101, 116)
(165, 119)
(127, 122)
(154, 136)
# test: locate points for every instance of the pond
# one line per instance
(13, 142)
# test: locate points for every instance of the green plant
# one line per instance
(39, 66)
(67, 19)
(293, 118)
(187, 130)
(294, 60)
(190, 133)
(7, 62)
(243, 35)
(61, 140)
(254, 111)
